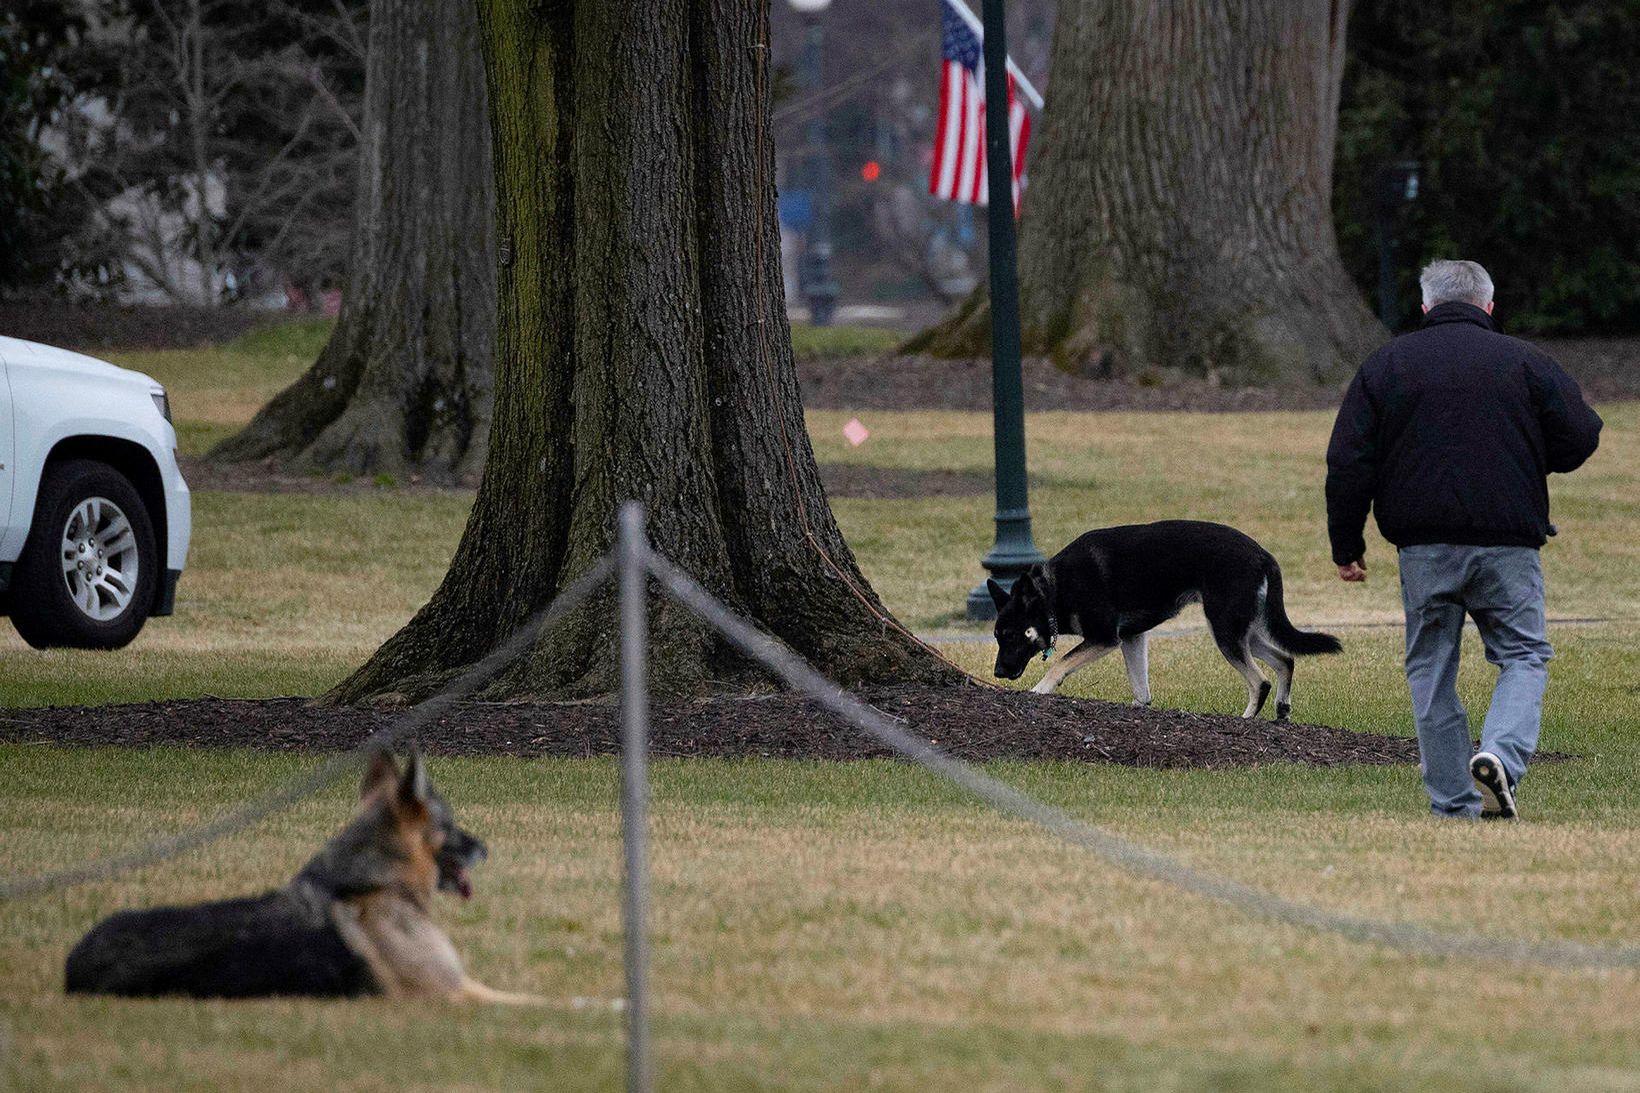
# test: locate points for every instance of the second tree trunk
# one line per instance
(1179, 213)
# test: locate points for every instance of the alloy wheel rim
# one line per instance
(100, 562)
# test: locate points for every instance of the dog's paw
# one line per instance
(1283, 710)
(1254, 705)
(1141, 702)
(1043, 688)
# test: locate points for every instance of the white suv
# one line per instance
(94, 514)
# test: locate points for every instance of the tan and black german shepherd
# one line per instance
(355, 921)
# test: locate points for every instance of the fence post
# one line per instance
(634, 574)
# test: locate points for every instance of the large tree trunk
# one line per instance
(405, 383)
(1180, 208)
(643, 353)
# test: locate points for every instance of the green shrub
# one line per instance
(812, 342)
(1524, 117)
(303, 338)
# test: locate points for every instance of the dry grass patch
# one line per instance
(1588, 707)
(282, 595)
(817, 926)
(214, 391)
(1261, 472)
(851, 925)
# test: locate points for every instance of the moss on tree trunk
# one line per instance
(643, 353)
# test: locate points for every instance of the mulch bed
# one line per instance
(93, 328)
(847, 480)
(269, 476)
(971, 721)
(1608, 369)
(935, 383)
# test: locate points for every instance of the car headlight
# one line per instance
(161, 403)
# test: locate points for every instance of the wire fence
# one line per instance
(636, 563)
(1119, 851)
(333, 769)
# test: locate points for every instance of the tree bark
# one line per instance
(405, 383)
(643, 353)
(1180, 208)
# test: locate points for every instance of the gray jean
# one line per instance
(1501, 588)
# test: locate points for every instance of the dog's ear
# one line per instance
(1024, 587)
(1032, 585)
(413, 786)
(381, 774)
(999, 595)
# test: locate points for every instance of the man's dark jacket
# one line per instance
(1448, 435)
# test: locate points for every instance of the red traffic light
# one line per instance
(871, 170)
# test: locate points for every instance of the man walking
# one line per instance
(1448, 436)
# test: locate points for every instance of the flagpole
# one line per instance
(1014, 549)
(1026, 88)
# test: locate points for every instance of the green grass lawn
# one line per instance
(825, 926)
(842, 926)
(214, 390)
(284, 593)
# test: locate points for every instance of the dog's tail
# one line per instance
(1298, 643)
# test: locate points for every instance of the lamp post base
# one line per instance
(822, 308)
(1013, 553)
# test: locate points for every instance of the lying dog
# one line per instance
(355, 920)
(1113, 585)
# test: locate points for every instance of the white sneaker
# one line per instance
(1497, 795)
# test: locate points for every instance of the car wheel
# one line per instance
(87, 574)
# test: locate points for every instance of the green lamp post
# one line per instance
(1014, 550)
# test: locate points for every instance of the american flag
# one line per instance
(958, 172)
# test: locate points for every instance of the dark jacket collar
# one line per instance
(1455, 311)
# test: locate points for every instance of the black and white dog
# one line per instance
(1113, 585)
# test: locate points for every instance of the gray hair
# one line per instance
(1445, 280)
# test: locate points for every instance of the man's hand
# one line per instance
(1355, 572)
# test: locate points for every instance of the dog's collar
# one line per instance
(1053, 620)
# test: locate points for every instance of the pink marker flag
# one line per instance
(856, 432)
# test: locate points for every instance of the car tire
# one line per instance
(87, 573)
